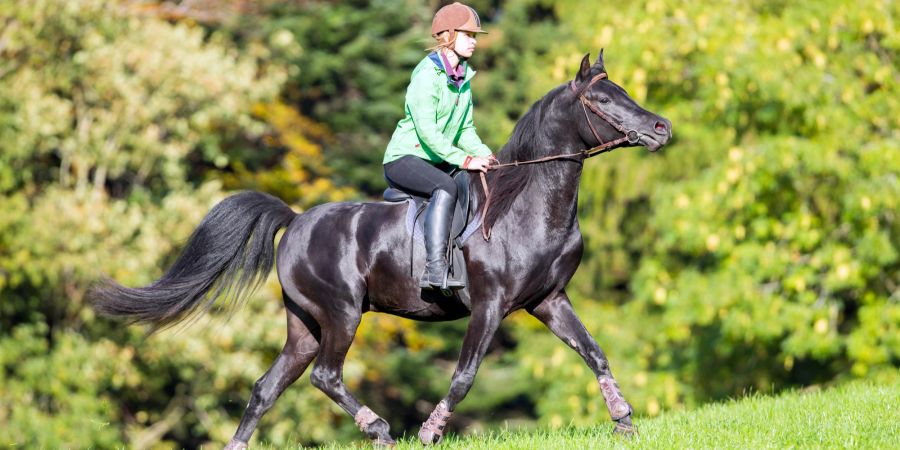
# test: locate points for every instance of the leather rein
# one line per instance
(630, 136)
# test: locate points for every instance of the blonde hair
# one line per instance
(444, 40)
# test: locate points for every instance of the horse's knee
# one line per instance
(262, 398)
(324, 379)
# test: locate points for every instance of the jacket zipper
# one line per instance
(452, 111)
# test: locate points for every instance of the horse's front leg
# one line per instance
(482, 327)
(556, 312)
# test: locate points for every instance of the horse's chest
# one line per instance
(555, 258)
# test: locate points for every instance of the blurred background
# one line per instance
(755, 253)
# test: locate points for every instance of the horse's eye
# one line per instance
(604, 100)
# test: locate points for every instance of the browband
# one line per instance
(587, 86)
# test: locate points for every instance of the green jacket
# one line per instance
(438, 125)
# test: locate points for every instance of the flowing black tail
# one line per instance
(229, 254)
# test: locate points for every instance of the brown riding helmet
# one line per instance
(456, 17)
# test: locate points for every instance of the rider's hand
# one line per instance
(477, 163)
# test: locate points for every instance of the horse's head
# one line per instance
(604, 112)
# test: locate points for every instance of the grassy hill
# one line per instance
(855, 415)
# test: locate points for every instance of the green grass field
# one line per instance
(855, 415)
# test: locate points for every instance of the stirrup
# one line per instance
(451, 284)
(446, 286)
(425, 283)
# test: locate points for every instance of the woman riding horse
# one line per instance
(338, 261)
(437, 133)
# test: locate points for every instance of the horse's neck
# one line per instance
(552, 193)
(552, 190)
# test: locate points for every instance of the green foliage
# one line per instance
(759, 251)
(348, 66)
(86, 93)
(781, 251)
(101, 112)
(55, 406)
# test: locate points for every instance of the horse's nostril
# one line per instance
(660, 128)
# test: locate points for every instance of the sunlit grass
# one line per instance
(856, 415)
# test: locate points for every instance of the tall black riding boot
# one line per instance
(437, 234)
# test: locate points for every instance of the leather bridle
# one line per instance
(630, 136)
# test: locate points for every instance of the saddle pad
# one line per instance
(457, 259)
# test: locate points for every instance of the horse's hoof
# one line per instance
(235, 444)
(429, 437)
(382, 443)
(625, 430)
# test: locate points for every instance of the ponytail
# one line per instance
(444, 40)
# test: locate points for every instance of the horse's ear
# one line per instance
(599, 62)
(585, 71)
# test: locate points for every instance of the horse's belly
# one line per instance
(392, 290)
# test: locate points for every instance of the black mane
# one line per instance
(525, 143)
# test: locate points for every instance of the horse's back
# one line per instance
(344, 226)
(331, 246)
(357, 255)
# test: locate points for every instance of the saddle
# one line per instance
(459, 231)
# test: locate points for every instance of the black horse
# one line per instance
(339, 260)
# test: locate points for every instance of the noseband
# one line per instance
(630, 136)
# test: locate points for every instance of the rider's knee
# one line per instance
(448, 187)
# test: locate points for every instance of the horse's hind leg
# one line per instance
(299, 349)
(557, 314)
(327, 374)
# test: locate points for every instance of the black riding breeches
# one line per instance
(416, 176)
